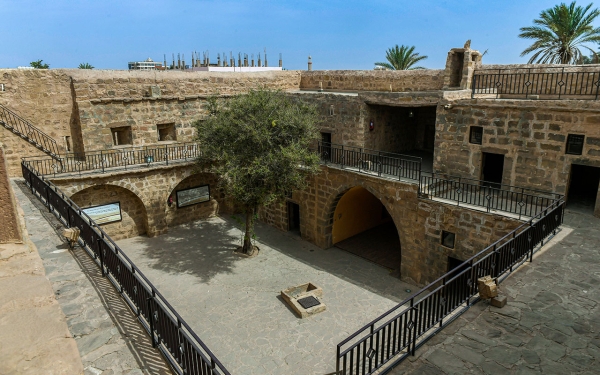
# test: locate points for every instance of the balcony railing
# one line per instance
(487, 195)
(574, 82)
(382, 163)
(119, 158)
(397, 333)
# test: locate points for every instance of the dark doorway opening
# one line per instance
(326, 146)
(456, 264)
(363, 227)
(293, 217)
(583, 187)
(492, 166)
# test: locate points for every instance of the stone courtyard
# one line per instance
(233, 302)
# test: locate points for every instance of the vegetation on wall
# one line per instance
(559, 34)
(401, 58)
(259, 145)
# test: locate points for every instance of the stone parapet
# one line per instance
(373, 80)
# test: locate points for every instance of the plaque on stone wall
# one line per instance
(575, 144)
(195, 195)
(104, 214)
(476, 135)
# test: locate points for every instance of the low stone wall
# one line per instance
(373, 80)
(9, 230)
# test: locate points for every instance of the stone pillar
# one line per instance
(10, 229)
(460, 65)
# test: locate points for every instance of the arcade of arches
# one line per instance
(338, 208)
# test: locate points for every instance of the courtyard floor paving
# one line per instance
(550, 325)
(233, 302)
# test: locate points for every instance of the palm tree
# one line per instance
(560, 32)
(401, 58)
(85, 66)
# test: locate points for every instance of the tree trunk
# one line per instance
(247, 248)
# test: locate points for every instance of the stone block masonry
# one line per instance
(530, 134)
(144, 194)
(373, 80)
(419, 222)
(9, 230)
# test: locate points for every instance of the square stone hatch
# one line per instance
(308, 302)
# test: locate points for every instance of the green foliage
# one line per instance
(259, 146)
(39, 65)
(560, 32)
(401, 58)
(85, 66)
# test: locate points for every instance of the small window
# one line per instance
(166, 132)
(448, 239)
(575, 144)
(331, 111)
(476, 135)
(122, 135)
(68, 143)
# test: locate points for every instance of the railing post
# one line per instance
(167, 154)
(343, 157)
(99, 240)
(473, 85)
(151, 318)
(380, 164)
(48, 199)
(102, 161)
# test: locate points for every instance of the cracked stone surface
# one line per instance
(233, 302)
(551, 324)
(108, 337)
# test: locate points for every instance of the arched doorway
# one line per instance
(134, 219)
(363, 226)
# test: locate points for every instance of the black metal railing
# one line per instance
(397, 333)
(581, 82)
(29, 132)
(174, 338)
(108, 160)
(488, 195)
(380, 162)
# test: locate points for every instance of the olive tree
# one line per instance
(259, 145)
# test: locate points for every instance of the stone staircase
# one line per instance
(28, 132)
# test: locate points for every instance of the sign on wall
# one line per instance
(188, 197)
(106, 213)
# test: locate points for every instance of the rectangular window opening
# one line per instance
(476, 136)
(448, 239)
(122, 135)
(166, 132)
(575, 144)
(68, 143)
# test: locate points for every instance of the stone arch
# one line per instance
(178, 215)
(133, 211)
(362, 202)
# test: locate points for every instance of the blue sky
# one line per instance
(338, 34)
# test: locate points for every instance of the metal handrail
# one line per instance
(551, 82)
(175, 339)
(103, 160)
(397, 333)
(27, 130)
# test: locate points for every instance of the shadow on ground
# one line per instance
(205, 249)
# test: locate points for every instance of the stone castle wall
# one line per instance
(373, 80)
(85, 104)
(151, 188)
(44, 98)
(419, 222)
(531, 134)
(343, 116)
(9, 230)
